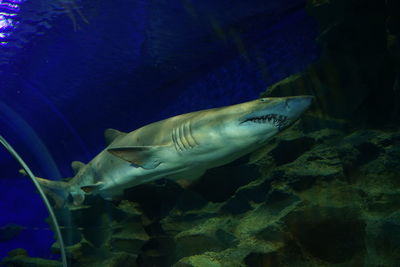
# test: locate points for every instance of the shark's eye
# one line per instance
(263, 99)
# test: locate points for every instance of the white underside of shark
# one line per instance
(180, 148)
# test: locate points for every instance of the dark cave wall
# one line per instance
(357, 75)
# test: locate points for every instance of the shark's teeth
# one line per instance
(277, 120)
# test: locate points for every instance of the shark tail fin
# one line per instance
(58, 191)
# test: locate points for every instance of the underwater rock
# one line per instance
(148, 195)
(20, 258)
(254, 192)
(105, 234)
(192, 244)
(129, 237)
(383, 240)
(18, 252)
(289, 150)
(227, 179)
(343, 228)
(120, 260)
(236, 205)
(198, 261)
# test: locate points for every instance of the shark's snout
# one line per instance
(279, 112)
(295, 106)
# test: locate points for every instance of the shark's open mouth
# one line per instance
(279, 121)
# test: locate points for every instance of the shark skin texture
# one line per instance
(179, 148)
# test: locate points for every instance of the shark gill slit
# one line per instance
(175, 141)
(186, 134)
(191, 133)
(178, 138)
(181, 138)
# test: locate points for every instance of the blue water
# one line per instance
(63, 81)
(19, 205)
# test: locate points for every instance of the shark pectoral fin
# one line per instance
(111, 134)
(77, 165)
(141, 156)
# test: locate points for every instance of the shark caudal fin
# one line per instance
(58, 191)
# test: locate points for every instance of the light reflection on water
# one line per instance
(8, 11)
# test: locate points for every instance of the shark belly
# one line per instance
(115, 175)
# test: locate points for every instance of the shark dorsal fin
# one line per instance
(111, 134)
(77, 165)
(141, 156)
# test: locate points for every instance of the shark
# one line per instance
(182, 147)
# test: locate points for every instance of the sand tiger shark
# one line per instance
(180, 147)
